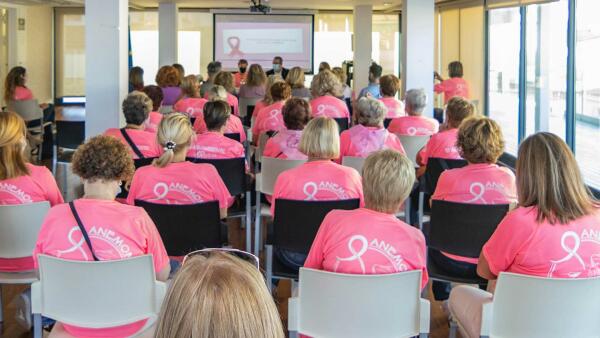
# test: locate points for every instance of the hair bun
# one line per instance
(170, 145)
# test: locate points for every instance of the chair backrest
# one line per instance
(536, 307)
(435, 167)
(360, 305)
(231, 170)
(262, 143)
(29, 110)
(296, 223)
(412, 145)
(343, 123)
(19, 228)
(97, 294)
(462, 229)
(165, 110)
(142, 162)
(271, 168)
(233, 136)
(246, 106)
(185, 228)
(70, 134)
(386, 122)
(354, 162)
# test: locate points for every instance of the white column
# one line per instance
(363, 30)
(167, 33)
(106, 64)
(17, 39)
(417, 47)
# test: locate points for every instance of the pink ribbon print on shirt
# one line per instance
(162, 190)
(374, 247)
(106, 243)
(323, 109)
(311, 189)
(572, 243)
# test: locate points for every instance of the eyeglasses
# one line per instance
(243, 255)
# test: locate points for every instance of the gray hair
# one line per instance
(217, 93)
(415, 101)
(213, 67)
(371, 112)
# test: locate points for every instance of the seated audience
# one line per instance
(368, 135)
(319, 179)
(156, 95)
(142, 143)
(212, 69)
(225, 79)
(414, 123)
(180, 69)
(15, 89)
(284, 144)
(218, 295)
(387, 179)
(324, 66)
(346, 90)
(168, 80)
(136, 79)
(550, 234)
(269, 118)
(296, 80)
(389, 86)
(482, 181)
(455, 85)
(21, 182)
(267, 99)
(239, 78)
(116, 231)
(372, 89)
(171, 179)
(190, 102)
(234, 124)
(326, 88)
(254, 86)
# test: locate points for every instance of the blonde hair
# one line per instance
(370, 112)
(189, 86)
(480, 140)
(549, 179)
(295, 78)
(326, 83)
(12, 146)
(271, 80)
(256, 76)
(174, 131)
(225, 79)
(220, 296)
(457, 110)
(217, 93)
(339, 72)
(320, 139)
(387, 178)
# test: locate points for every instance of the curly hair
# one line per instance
(457, 110)
(168, 76)
(280, 91)
(480, 140)
(296, 113)
(103, 158)
(225, 79)
(326, 83)
(136, 108)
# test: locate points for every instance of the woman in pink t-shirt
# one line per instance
(20, 181)
(414, 123)
(225, 79)
(296, 114)
(326, 88)
(455, 85)
(116, 231)
(156, 95)
(368, 135)
(234, 124)
(142, 143)
(371, 240)
(15, 89)
(552, 234)
(269, 118)
(173, 180)
(389, 86)
(482, 181)
(319, 179)
(190, 102)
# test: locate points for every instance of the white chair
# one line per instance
(96, 294)
(412, 144)
(245, 102)
(19, 230)
(265, 184)
(342, 305)
(30, 111)
(165, 110)
(536, 307)
(354, 162)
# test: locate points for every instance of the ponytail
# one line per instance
(174, 135)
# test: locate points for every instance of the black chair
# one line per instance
(192, 120)
(137, 163)
(247, 120)
(386, 122)
(69, 136)
(349, 105)
(343, 123)
(185, 228)
(461, 229)
(295, 226)
(233, 136)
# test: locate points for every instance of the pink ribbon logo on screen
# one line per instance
(234, 43)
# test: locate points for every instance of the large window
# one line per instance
(587, 87)
(144, 42)
(333, 39)
(195, 40)
(386, 42)
(70, 52)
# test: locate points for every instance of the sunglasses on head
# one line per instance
(243, 255)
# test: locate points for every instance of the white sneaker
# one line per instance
(22, 304)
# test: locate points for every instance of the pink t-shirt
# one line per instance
(441, 145)
(233, 125)
(414, 125)
(476, 184)
(117, 231)
(144, 140)
(522, 245)
(285, 145)
(318, 181)
(269, 118)
(365, 241)
(213, 145)
(232, 101)
(38, 186)
(191, 106)
(23, 94)
(153, 121)
(239, 79)
(178, 183)
(258, 106)
(395, 108)
(329, 106)
(360, 141)
(452, 87)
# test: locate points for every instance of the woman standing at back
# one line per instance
(255, 83)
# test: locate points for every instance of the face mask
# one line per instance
(276, 67)
(242, 70)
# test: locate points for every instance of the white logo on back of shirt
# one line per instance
(311, 189)
(386, 250)
(12, 189)
(161, 190)
(572, 253)
(100, 234)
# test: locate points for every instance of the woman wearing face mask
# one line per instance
(239, 78)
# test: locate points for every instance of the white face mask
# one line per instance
(276, 67)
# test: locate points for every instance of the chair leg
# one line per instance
(54, 159)
(407, 210)
(269, 267)
(66, 181)
(1, 310)
(421, 208)
(248, 222)
(453, 327)
(257, 225)
(37, 325)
